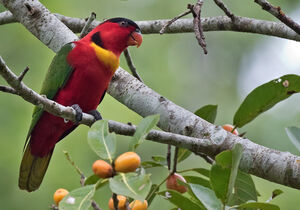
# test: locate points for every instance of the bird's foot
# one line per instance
(78, 111)
(95, 114)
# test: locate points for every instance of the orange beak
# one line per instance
(135, 39)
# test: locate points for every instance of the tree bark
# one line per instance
(280, 167)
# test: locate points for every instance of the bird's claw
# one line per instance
(95, 114)
(78, 111)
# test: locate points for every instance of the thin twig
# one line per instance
(249, 25)
(175, 160)
(169, 157)
(205, 157)
(131, 65)
(8, 90)
(20, 78)
(225, 9)
(95, 206)
(87, 25)
(173, 20)
(196, 11)
(279, 14)
(116, 201)
(68, 157)
(156, 188)
(82, 177)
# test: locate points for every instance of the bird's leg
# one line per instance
(78, 111)
(95, 114)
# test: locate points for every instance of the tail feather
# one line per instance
(32, 170)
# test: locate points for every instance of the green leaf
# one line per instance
(258, 205)
(151, 164)
(183, 154)
(244, 189)
(265, 97)
(101, 141)
(294, 135)
(198, 180)
(142, 130)
(78, 199)
(224, 159)
(208, 113)
(180, 200)
(93, 179)
(237, 153)
(131, 185)
(206, 196)
(276, 192)
(223, 173)
(151, 195)
(159, 159)
(219, 180)
(202, 171)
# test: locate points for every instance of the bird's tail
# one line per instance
(32, 170)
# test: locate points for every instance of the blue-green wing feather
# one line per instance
(58, 74)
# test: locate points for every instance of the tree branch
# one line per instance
(85, 30)
(131, 65)
(221, 23)
(276, 166)
(196, 11)
(279, 14)
(279, 167)
(225, 9)
(8, 90)
(162, 30)
(34, 15)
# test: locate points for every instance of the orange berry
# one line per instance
(59, 195)
(172, 183)
(102, 169)
(127, 162)
(229, 128)
(138, 205)
(121, 203)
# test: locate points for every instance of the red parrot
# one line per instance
(78, 77)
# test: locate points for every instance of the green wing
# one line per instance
(58, 74)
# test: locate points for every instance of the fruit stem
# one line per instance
(156, 188)
(116, 201)
(235, 127)
(175, 160)
(169, 157)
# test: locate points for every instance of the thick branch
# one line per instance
(87, 119)
(221, 23)
(276, 166)
(280, 167)
(40, 22)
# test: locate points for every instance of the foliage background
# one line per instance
(172, 65)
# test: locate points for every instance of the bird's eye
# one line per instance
(123, 24)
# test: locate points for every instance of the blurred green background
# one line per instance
(172, 65)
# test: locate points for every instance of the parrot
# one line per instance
(78, 76)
